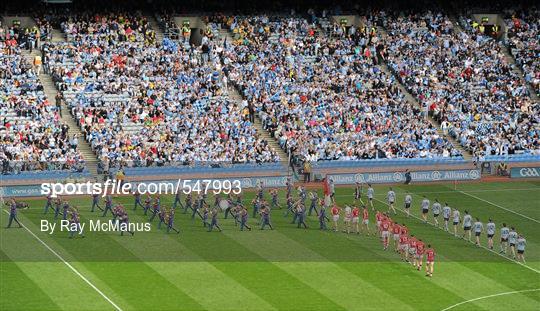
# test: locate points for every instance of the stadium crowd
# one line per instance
(321, 94)
(323, 97)
(143, 103)
(523, 35)
(465, 82)
(32, 135)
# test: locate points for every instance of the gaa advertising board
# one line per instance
(399, 177)
(525, 172)
(166, 185)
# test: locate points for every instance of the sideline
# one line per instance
(482, 246)
(501, 207)
(71, 267)
(490, 296)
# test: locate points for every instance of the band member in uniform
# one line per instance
(74, 223)
(214, 221)
(147, 204)
(256, 206)
(170, 221)
(205, 213)
(322, 218)
(290, 206)
(177, 200)
(189, 203)
(13, 213)
(301, 212)
(48, 204)
(244, 218)
(314, 199)
(95, 202)
(65, 210)
(137, 200)
(156, 208)
(302, 194)
(274, 194)
(265, 218)
(123, 218)
(57, 207)
(108, 205)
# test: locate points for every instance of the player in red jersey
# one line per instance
(404, 229)
(403, 246)
(355, 218)
(412, 249)
(396, 230)
(335, 216)
(385, 228)
(365, 219)
(378, 218)
(419, 254)
(430, 260)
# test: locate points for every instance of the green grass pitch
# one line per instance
(284, 269)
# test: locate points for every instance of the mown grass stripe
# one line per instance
(15, 284)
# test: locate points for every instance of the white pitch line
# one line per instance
(71, 267)
(490, 250)
(490, 296)
(501, 207)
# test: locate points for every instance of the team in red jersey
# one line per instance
(355, 219)
(396, 231)
(430, 260)
(419, 257)
(335, 216)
